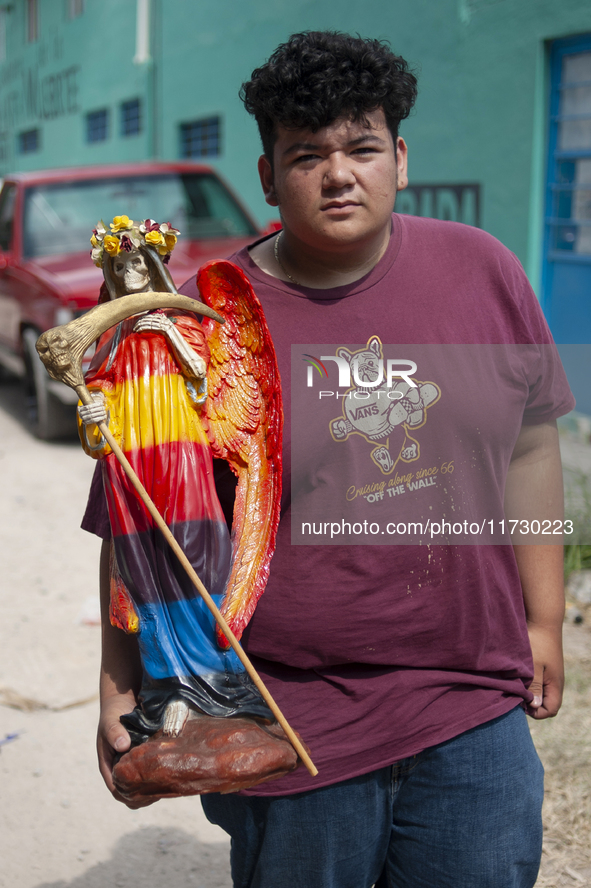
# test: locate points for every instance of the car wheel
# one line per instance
(47, 416)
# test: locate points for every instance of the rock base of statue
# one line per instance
(210, 755)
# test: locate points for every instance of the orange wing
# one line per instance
(122, 613)
(243, 418)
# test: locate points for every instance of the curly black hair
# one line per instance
(319, 76)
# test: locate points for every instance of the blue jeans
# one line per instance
(463, 814)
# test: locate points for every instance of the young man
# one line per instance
(406, 668)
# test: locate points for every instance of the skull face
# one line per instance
(132, 271)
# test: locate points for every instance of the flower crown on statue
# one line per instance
(128, 235)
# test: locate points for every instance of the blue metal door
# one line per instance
(567, 250)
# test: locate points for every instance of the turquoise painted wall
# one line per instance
(481, 114)
(76, 66)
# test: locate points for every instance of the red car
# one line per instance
(47, 276)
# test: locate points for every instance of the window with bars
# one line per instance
(97, 125)
(32, 21)
(566, 269)
(131, 118)
(3, 15)
(201, 138)
(569, 198)
(75, 8)
(29, 141)
(4, 146)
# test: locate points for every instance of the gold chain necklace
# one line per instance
(280, 263)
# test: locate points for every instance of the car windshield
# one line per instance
(59, 218)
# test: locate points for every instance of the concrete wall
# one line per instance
(76, 66)
(481, 116)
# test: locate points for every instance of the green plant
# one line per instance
(577, 554)
(576, 558)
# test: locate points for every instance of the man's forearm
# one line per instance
(119, 685)
(120, 663)
(540, 571)
(534, 491)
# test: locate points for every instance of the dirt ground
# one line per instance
(59, 827)
(564, 745)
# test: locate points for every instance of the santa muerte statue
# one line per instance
(170, 393)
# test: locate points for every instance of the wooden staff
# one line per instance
(61, 350)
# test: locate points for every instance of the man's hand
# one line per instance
(112, 738)
(548, 683)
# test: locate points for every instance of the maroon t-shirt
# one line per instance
(375, 652)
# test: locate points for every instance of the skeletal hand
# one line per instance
(190, 360)
(157, 323)
(95, 413)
